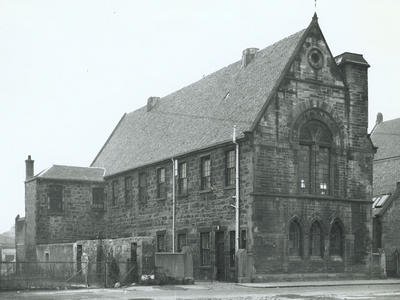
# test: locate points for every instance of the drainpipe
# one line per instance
(237, 191)
(173, 204)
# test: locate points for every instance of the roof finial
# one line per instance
(315, 18)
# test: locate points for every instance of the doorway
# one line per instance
(219, 256)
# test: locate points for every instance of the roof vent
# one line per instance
(248, 55)
(151, 102)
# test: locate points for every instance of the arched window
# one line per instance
(336, 240)
(314, 158)
(295, 239)
(316, 240)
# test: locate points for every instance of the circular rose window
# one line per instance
(315, 58)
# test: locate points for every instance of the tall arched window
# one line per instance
(314, 158)
(295, 239)
(336, 240)
(316, 240)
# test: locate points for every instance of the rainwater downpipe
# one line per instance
(173, 203)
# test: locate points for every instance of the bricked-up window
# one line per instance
(205, 249)
(161, 242)
(205, 173)
(55, 195)
(336, 240)
(128, 190)
(142, 188)
(230, 169)
(314, 158)
(98, 198)
(161, 193)
(181, 241)
(316, 240)
(295, 239)
(182, 178)
(114, 195)
(231, 248)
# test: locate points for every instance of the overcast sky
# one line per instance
(70, 69)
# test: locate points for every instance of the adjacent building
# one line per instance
(386, 201)
(305, 172)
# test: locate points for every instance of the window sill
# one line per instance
(55, 213)
(205, 267)
(161, 199)
(336, 258)
(316, 258)
(295, 258)
(205, 191)
(229, 187)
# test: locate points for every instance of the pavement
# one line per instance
(388, 289)
(321, 283)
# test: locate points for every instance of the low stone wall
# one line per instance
(174, 267)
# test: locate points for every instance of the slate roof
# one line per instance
(386, 136)
(200, 115)
(72, 173)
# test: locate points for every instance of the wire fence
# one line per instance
(65, 274)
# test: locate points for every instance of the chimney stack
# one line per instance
(379, 118)
(151, 102)
(29, 168)
(248, 55)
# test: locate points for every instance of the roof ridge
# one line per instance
(90, 167)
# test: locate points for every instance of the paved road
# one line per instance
(219, 291)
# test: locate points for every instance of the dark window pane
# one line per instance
(243, 240)
(232, 248)
(204, 248)
(161, 242)
(336, 240)
(128, 190)
(55, 198)
(142, 188)
(98, 198)
(181, 241)
(304, 168)
(182, 178)
(161, 191)
(295, 245)
(323, 171)
(205, 173)
(114, 192)
(230, 168)
(316, 241)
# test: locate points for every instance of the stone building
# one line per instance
(305, 171)
(386, 201)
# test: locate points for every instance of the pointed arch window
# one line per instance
(295, 239)
(336, 240)
(316, 240)
(314, 156)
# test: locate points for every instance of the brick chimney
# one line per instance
(29, 168)
(151, 102)
(248, 55)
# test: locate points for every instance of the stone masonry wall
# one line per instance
(305, 94)
(77, 220)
